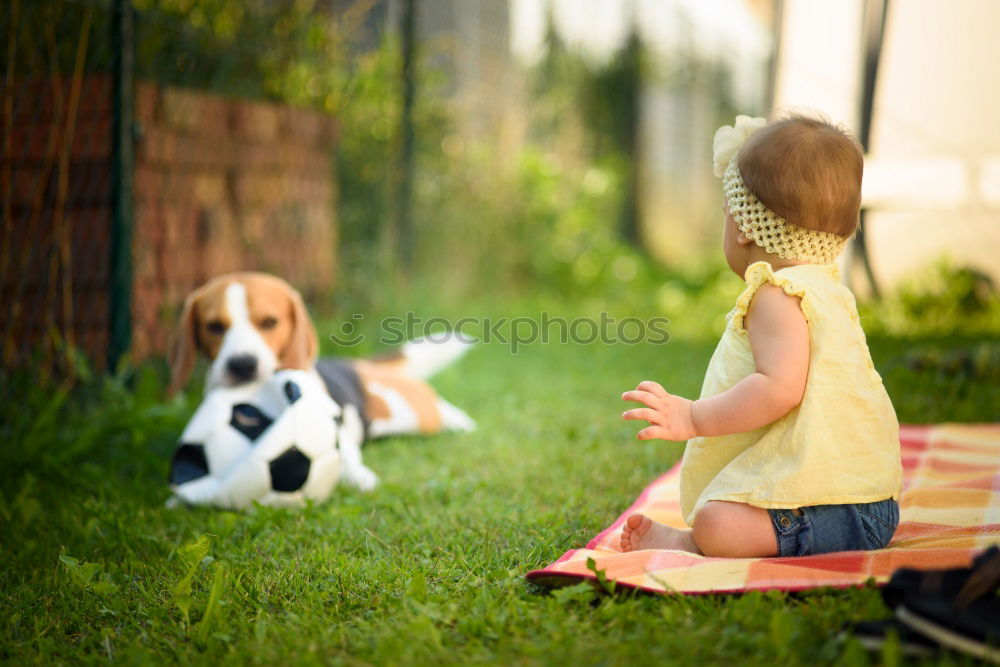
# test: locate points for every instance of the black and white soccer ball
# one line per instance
(276, 443)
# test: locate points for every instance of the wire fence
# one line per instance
(58, 114)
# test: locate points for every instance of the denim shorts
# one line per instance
(821, 529)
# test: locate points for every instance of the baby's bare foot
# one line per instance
(641, 532)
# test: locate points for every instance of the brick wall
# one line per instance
(223, 185)
(219, 185)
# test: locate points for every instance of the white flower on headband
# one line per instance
(729, 138)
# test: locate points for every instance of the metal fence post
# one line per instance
(120, 274)
(873, 35)
(404, 215)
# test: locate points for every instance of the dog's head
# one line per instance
(248, 325)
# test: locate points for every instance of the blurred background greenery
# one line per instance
(516, 155)
(524, 177)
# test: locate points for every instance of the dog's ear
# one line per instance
(303, 345)
(183, 349)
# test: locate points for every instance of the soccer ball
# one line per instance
(276, 443)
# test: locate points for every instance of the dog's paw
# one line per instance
(361, 478)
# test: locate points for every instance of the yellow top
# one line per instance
(839, 445)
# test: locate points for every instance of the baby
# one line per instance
(793, 447)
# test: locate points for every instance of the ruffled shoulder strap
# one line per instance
(756, 275)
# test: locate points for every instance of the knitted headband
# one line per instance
(757, 222)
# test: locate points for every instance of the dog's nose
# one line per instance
(242, 367)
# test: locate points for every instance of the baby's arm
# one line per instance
(779, 339)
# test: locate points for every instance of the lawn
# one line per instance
(430, 567)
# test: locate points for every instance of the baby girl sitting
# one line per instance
(793, 447)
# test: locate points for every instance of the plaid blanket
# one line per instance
(949, 511)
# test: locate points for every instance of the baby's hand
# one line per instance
(669, 416)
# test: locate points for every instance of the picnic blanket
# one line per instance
(949, 511)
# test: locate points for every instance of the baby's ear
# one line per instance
(742, 238)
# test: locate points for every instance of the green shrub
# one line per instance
(944, 300)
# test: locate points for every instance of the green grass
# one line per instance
(430, 567)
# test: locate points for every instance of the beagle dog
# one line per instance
(249, 325)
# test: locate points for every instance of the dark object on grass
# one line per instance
(975, 630)
(907, 581)
(957, 608)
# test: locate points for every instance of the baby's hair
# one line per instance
(806, 170)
